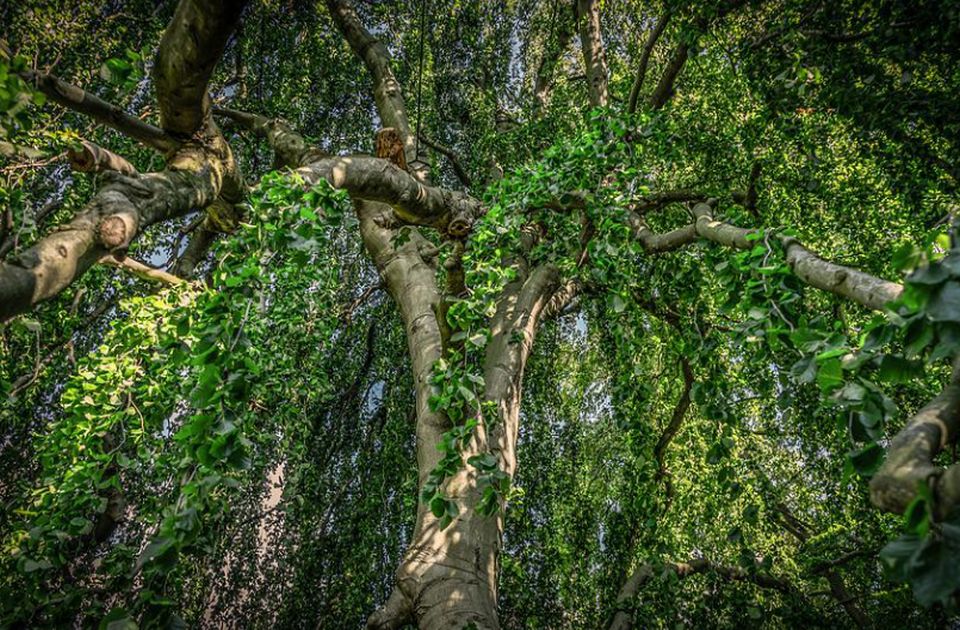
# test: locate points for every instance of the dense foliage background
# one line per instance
(240, 451)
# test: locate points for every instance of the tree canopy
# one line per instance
(471, 314)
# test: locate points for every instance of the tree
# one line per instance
(597, 252)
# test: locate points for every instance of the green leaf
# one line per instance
(894, 369)
(618, 304)
(944, 304)
(118, 619)
(830, 375)
(438, 505)
(867, 460)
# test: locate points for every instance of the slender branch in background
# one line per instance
(673, 427)
(664, 90)
(563, 21)
(748, 198)
(141, 270)
(184, 230)
(448, 153)
(837, 587)
(648, 47)
(351, 308)
(200, 242)
(657, 200)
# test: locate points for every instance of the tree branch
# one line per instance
(91, 158)
(141, 270)
(543, 81)
(192, 45)
(76, 99)
(450, 155)
(664, 90)
(375, 179)
(648, 47)
(673, 427)
(290, 147)
(386, 89)
(909, 460)
(107, 224)
(863, 288)
(623, 618)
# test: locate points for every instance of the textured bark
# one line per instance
(388, 145)
(191, 47)
(106, 224)
(447, 578)
(594, 55)
(75, 98)
(90, 158)
(199, 169)
(863, 288)
(375, 179)
(909, 460)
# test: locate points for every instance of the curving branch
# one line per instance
(448, 153)
(654, 243)
(623, 617)
(376, 179)
(107, 224)
(291, 149)
(648, 47)
(367, 178)
(909, 460)
(863, 288)
(76, 99)
(681, 52)
(673, 427)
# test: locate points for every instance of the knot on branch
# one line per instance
(464, 211)
(116, 231)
